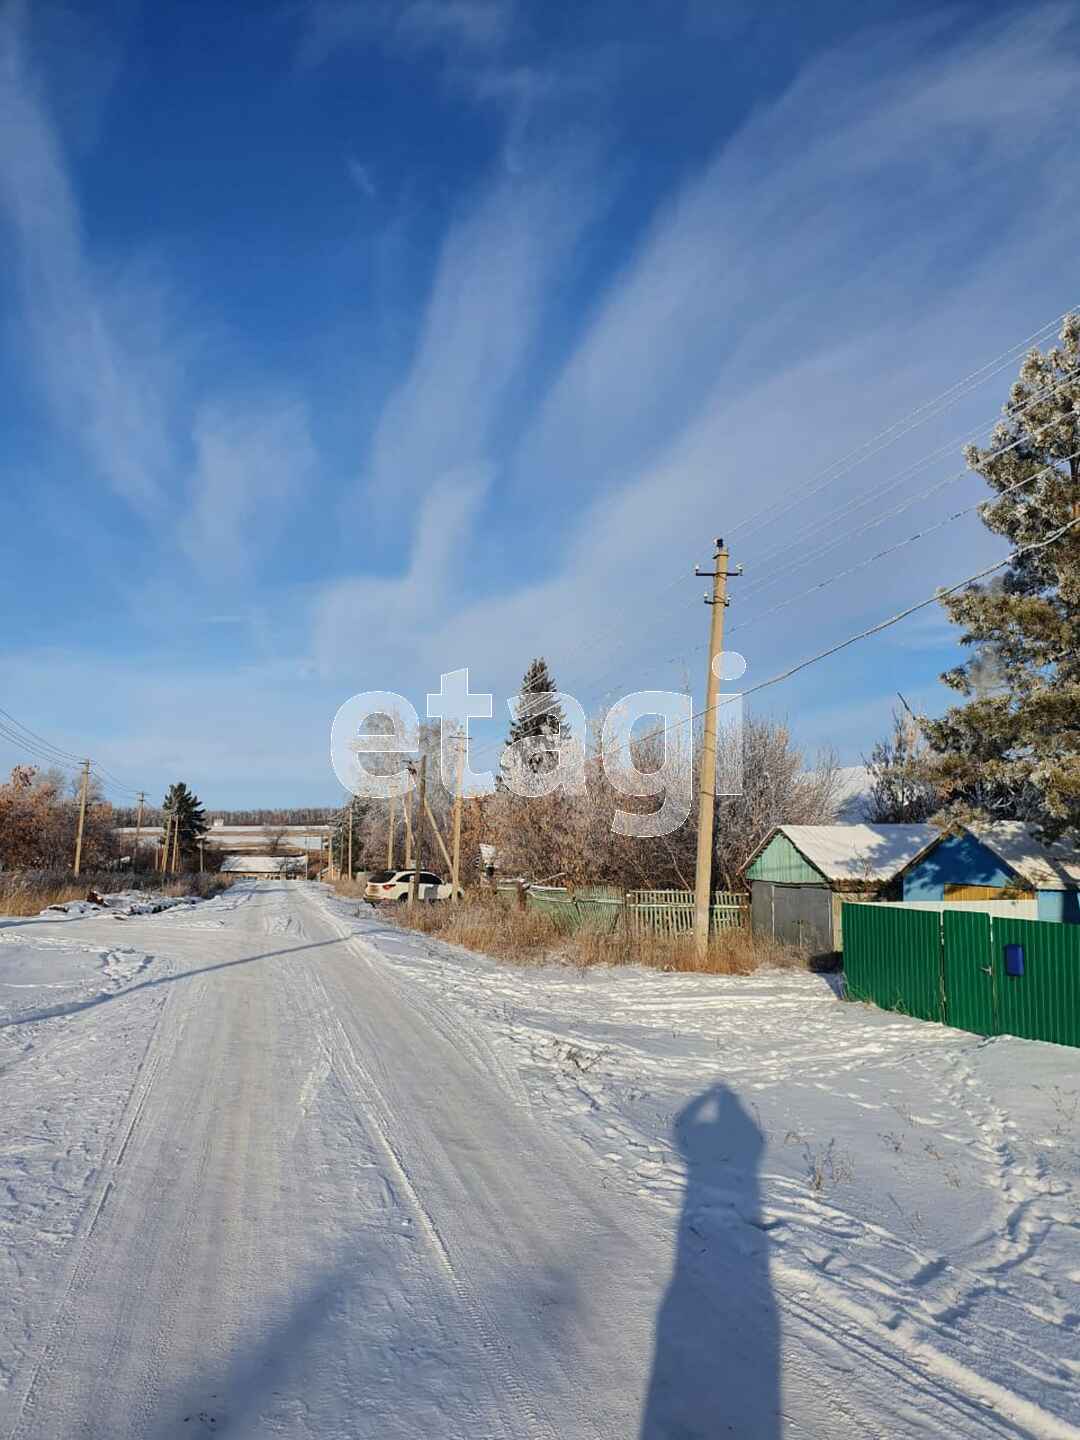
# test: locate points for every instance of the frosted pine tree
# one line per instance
(537, 721)
(1012, 748)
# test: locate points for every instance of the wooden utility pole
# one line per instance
(176, 844)
(407, 807)
(202, 860)
(438, 835)
(138, 831)
(455, 863)
(350, 838)
(414, 879)
(390, 837)
(82, 814)
(707, 775)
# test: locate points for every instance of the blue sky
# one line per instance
(345, 343)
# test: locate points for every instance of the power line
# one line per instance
(35, 745)
(37, 739)
(860, 502)
(872, 629)
(850, 507)
(901, 427)
(35, 751)
(114, 783)
(886, 624)
(889, 435)
(767, 581)
(891, 549)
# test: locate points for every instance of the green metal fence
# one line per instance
(990, 974)
(604, 909)
(895, 959)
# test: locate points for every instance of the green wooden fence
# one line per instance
(604, 909)
(953, 967)
(671, 912)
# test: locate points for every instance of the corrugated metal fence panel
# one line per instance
(893, 959)
(952, 967)
(557, 904)
(597, 914)
(968, 973)
(1044, 1002)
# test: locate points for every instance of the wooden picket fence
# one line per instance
(603, 909)
(671, 912)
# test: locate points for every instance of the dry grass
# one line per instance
(526, 937)
(28, 893)
(350, 889)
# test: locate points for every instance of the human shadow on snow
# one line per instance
(716, 1361)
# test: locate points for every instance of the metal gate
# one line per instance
(991, 974)
(968, 965)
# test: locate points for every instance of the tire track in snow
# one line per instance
(376, 1118)
(82, 1259)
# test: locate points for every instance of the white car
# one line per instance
(387, 885)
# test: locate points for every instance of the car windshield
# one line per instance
(380, 877)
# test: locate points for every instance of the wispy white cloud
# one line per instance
(362, 176)
(387, 625)
(477, 27)
(480, 328)
(252, 462)
(91, 334)
(852, 249)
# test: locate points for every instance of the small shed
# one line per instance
(997, 860)
(800, 874)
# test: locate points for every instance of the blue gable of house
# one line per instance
(956, 860)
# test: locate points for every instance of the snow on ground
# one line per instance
(276, 1167)
(916, 1186)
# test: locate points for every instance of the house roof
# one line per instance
(1044, 867)
(855, 852)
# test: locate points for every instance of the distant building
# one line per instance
(242, 839)
(265, 867)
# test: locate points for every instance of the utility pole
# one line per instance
(138, 832)
(414, 879)
(202, 861)
(390, 836)
(438, 835)
(159, 860)
(350, 837)
(707, 777)
(407, 807)
(176, 844)
(455, 863)
(82, 814)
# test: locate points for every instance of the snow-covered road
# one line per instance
(271, 1166)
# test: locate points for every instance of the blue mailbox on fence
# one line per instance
(1014, 959)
